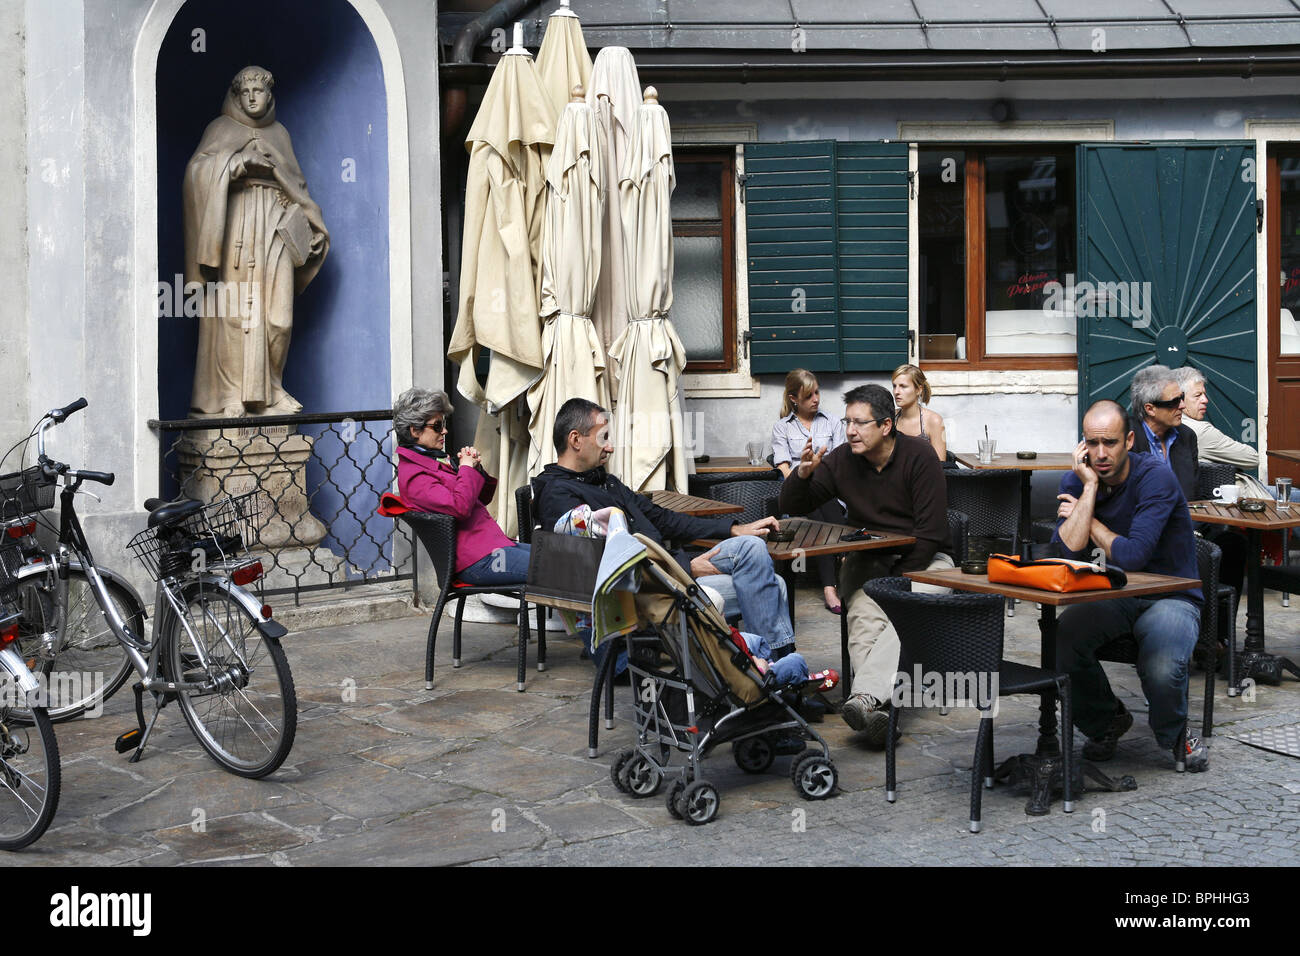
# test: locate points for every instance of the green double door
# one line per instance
(1167, 271)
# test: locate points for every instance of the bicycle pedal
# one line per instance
(128, 740)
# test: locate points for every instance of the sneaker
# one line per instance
(1195, 755)
(857, 709)
(1103, 748)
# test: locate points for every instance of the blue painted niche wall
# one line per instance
(330, 96)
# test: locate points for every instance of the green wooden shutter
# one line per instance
(790, 247)
(1180, 216)
(871, 205)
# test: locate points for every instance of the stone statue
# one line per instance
(253, 238)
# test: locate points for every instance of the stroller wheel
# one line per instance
(617, 767)
(642, 777)
(674, 800)
(700, 803)
(814, 776)
(754, 754)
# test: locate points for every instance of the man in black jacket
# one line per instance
(1158, 403)
(739, 568)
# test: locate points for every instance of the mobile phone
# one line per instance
(861, 534)
(1087, 459)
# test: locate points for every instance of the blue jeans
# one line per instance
(750, 586)
(791, 669)
(1166, 630)
(502, 566)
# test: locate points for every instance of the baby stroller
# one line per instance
(696, 687)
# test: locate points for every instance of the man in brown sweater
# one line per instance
(889, 482)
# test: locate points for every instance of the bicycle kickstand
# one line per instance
(138, 736)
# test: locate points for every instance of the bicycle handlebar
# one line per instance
(61, 414)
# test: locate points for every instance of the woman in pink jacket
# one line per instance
(428, 479)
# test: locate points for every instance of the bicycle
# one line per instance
(215, 649)
(30, 775)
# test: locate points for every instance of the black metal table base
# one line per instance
(1044, 775)
(1261, 666)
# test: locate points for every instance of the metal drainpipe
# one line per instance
(454, 97)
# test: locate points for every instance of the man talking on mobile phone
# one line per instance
(1129, 506)
(889, 482)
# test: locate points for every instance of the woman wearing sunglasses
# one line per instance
(428, 479)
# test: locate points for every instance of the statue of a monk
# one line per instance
(251, 226)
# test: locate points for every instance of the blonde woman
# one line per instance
(911, 417)
(802, 420)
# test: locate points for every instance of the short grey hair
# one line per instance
(413, 408)
(1187, 376)
(1148, 384)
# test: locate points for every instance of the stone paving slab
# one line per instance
(384, 772)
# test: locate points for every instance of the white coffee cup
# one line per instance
(1226, 493)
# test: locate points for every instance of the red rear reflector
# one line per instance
(247, 574)
(266, 611)
(9, 635)
(21, 530)
(692, 730)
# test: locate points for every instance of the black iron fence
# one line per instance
(322, 474)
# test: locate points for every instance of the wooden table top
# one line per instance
(1270, 519)
(1286, 454)
(816, 538)
(1046, 461)
(691, 505)
(1140, 584)
(724, 465)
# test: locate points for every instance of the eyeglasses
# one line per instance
(439, 426)
(863, 423)
(1170, 403)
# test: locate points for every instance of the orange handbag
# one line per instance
(1054, 574)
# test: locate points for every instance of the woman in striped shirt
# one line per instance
(802, 419)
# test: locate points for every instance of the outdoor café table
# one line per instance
(1286, 454)
(1051, 461)
(1254, 662)
(815, 539)
(737, 464)
(691, 505)
(1042, 769)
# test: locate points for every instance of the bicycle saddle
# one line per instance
(171, 512)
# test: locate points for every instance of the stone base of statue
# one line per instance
(221, 462)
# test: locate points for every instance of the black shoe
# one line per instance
(1103, 748)
(787, 744)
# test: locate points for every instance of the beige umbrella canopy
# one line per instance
(571, 247)
(500, 276)
(563, 61)
(615, 95)
(649, 452)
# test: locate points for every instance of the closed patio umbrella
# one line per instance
(650, 450)
(505, 195)
(563, 61)
(571, 246)
(615, 95)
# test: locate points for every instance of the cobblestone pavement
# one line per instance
(384, 772)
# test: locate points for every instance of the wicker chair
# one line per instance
(1212, 474)
(1124, 650)
(962, 634)
(991, 499)
(957, 522)
(753, 495)
(437, 534)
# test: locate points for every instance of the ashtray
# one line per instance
(1026, 455)
(1252, 504)
(974, 567)
(701, 459)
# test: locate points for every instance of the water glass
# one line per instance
(988, 448)
(755, 449)
(1283, 494)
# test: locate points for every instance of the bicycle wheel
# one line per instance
(29, 775)
(247, 715)
(93, 664)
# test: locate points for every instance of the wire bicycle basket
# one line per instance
(214, 535)
(26, 492)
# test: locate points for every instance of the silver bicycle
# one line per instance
(215, 649)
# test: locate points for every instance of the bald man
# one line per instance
(1128, 506)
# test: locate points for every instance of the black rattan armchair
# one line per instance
(437, 534)
(961, 634)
